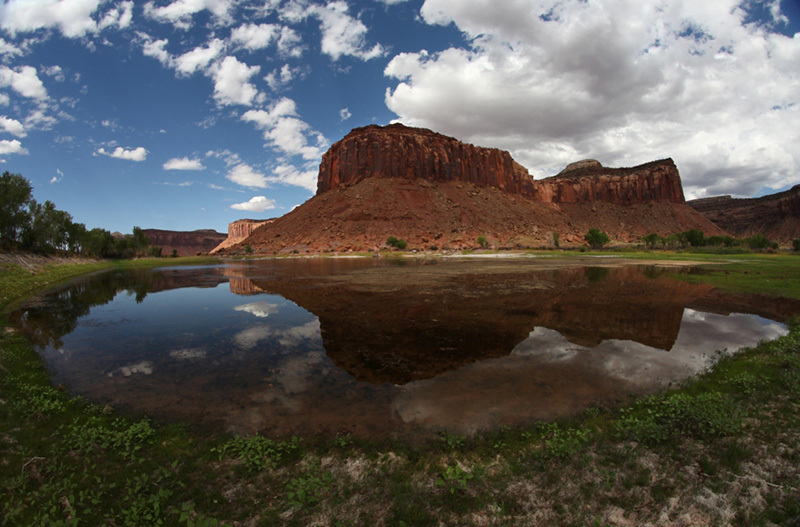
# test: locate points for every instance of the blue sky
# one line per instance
(190, 114)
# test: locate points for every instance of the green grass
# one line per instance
(724, 449)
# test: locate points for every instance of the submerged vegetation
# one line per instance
(723, 449)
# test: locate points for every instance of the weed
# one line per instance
(258, 452)
(453, 442)
(454, 478)
(306, 491)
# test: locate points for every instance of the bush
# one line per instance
(758, 241)
(483, 242)
(397, 243)
(653, 240)
(596, 238)
(796, 244)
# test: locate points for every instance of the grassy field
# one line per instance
(722, 450)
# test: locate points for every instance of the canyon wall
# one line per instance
(185, 243)
(238, 231)
(590, 182)
(397, 151)
(777, 216)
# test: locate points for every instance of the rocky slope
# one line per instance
(777, 215)
(186, 243)
(437, 192)
(237, 232)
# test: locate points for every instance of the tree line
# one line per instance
(28, 225)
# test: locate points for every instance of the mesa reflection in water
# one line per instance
(375, 347)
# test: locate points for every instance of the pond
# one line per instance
(378, 347)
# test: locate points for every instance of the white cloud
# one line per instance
(120, 16)
(135, 154)
(341, 33)
(199, 58)
(624, 82)
(179, 13)
(58, 178)
(285, 131)
(41, 121)
(344, 114)
(56, 72)
(279, 78)
(155, 48)
(259, 309)
(12, 147)
(72, 17)
(290, 43)
(183, 163)
(256, 204)
(8, 49)
(12, 126)
(255, 36)
(24, 81)
(243, 174)
(232, 82)
(291, 175)
(392, 2)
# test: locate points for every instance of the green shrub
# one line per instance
(796, 244)
(397, 243)
(483, 242)
(596, 238)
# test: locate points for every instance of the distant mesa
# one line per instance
(238, 231)
(777, 216)
(437, 192)
(185, 243)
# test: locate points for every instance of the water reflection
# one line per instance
(373, 348)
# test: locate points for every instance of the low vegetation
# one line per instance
(397, 243)
(694, 238)
(724, 449)
(596, 238)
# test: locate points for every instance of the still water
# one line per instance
(375, 347)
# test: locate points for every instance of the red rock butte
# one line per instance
(437, 192)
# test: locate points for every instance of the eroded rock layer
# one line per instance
(189, 243)
(777, 216)
(397, 151)
(437, 193)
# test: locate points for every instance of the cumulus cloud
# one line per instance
(24, 81)
(243, 174)
(199, 58)
(12, 126)
(256, 204)
(342, 34)
(134, 154)
(625, 82)
(255, 36)
(180, 12)
(12, 147)
(284, 130)
(279, 78)
(232, 82)
(291, 175)
(72, 17)
(183, 163)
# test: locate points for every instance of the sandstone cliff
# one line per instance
(397, 151)
(439, 193)
(777, 216)
(185, 243)
(238, 231)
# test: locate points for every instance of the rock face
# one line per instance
(186, 243)
(238, 231)
(436, 192)
(777, 216)
(397, 151)
(588, 182)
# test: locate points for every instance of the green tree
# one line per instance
(15, 198)
(695, 237)
(139, 241)
(555, 240)
(653, 240)
(796, 244)
(398, 243)
(48, 229)
(596, 238)
(483, 242)
(758, 241)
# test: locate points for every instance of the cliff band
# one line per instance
(439, 193)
